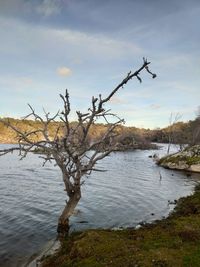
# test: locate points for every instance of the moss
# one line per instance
(192, 258)
(189, 205)
(193, 160)
(177, 159)
(189, 156)
(174, 241)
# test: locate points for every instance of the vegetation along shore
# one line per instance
(174, 241)
(129, 137)
(188, 159)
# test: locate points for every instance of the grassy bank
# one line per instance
(173, 242)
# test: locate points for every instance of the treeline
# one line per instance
(177, 133)
(126, 137)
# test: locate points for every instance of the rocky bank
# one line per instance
(188, 159)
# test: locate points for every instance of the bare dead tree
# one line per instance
(71, 151)
(173, 119)
(195, 127)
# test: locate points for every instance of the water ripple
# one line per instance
(32, 198)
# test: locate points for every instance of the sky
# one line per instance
(89, 46)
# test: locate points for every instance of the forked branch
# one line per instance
(70, 146)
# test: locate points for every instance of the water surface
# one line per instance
(32, 197)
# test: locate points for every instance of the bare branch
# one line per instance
(70, 146)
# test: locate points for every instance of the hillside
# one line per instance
(129, 137)
(179, 133)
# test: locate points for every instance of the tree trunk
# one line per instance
(63, 222)
(169, 143)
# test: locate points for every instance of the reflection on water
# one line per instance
(32, 198)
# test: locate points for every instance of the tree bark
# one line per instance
(63, 222)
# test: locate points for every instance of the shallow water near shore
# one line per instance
(32, 197)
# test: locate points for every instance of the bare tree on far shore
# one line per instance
(196, 128)
(70, 148)
(173, 119)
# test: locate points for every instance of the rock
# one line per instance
(138, 226)
(195, 168)
(188, 159)
(172, 202)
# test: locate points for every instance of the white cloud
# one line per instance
(37, 51)
(64, 71)
(116, 100)
(41, 41)
(96, 44)
(18, 82)
(48, 8)
(154, 106)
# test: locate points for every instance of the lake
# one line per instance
(129, 192)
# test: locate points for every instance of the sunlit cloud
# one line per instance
(64, 71)
(117, 100)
